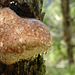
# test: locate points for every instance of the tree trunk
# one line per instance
(67, 29)
(30, 9)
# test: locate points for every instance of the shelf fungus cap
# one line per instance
(21, 38)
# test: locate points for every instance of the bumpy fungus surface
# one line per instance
(21, 38)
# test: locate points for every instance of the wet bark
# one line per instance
(67, 28)
(29, 9)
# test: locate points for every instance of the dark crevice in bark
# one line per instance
(25, 8)
(22, 10)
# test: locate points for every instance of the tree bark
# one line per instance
(29, 9)
(67, 28)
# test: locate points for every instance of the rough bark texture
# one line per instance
(30, 9)
(67, 28)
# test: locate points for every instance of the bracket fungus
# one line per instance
(21, 38)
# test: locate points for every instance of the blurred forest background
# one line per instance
(60, 19)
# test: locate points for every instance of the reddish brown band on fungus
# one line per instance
(21, 35)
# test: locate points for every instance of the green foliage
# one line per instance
(58, 54)
(72, 14)
(71, 1)
(61, 71)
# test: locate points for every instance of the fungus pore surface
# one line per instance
(21, 38)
